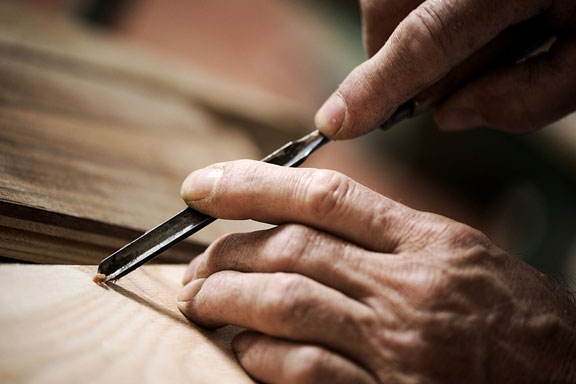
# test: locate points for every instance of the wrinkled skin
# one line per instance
(352, 287)
(414, 43)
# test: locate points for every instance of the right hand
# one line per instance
(414, 43)
(352, 287)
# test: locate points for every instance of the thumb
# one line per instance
(423, 48)
(361, 104)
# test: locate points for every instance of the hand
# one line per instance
(352, 287)
(414, 43)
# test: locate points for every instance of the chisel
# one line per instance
(189, 221)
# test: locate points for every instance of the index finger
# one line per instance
(326, 200)
(430, 41)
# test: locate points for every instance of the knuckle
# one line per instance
(214, 253)
(424, 282)
(367, 323)
(439, 231)
(425, 36)
(445, 287)
(289, 246)
(325, 191)
(431, 286)
(391, 217)
(307, 365)
(285, 301)
(438, 31)
(461, 235)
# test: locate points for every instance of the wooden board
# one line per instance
(57, 326)
(119, 160)
(90, 156)
(51, 238)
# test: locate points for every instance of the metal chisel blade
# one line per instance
(189, 221)
(153, 243)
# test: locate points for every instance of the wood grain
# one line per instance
(95, 141)
(124, 170)
(57, 326)
(29, 238)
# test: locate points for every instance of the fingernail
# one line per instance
(331, 115)
(199, 184)
(189, 292)
(459, 119)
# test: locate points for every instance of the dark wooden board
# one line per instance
(89, 148)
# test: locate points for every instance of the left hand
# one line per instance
(353, 287)
(413, 44)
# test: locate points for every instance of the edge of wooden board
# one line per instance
(34, 235)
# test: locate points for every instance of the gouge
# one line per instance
(189, 221)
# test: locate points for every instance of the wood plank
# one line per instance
(51, 164)
(57, 326)
(37, 236)
(104, 172)
(87, 149)
(97, 157)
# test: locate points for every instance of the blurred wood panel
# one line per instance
(57, 326)
(95, 141)
(57, 42)
(70, 160)
(67, 148)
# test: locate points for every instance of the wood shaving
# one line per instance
(99, 278)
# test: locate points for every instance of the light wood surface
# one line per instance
(57, 326)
